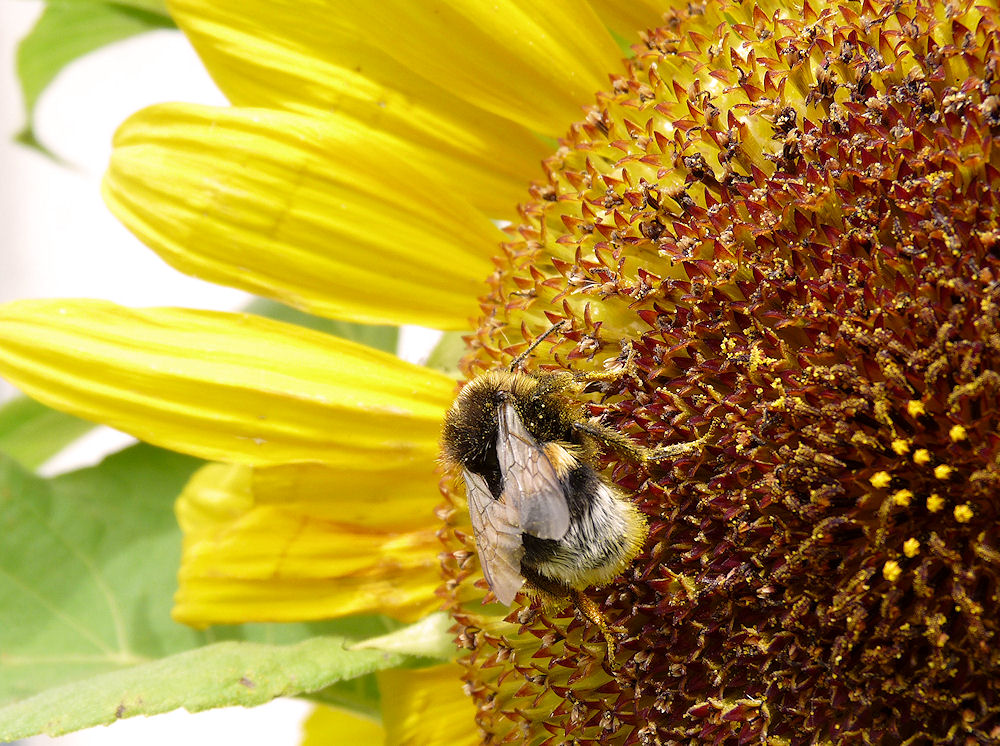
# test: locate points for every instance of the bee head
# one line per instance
(470, 431)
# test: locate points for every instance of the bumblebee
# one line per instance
(543, 518)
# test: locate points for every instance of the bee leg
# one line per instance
(552, 383)
(626, 447)
(677, 449)
(590, 611)
(611, 438)
(619, 367)
(558, 381)
(554, 592)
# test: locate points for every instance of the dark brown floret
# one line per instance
(796, 229)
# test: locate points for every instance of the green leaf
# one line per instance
(360, 695)
(428, 638)
(385, 338)
(424, 643)
(29, 139)
(446, 354)
(624, 43)
(69, 29)
(228, 673)
(88, 567)
(33, 433)
(153, 6)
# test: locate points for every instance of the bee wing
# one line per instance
(498, 540)
(532, 487)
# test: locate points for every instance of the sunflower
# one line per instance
(787, 211)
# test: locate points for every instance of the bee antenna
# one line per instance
(538, 340)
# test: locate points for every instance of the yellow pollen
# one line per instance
(943, 471)
(915, 407)
(911, 547)
(891, 571)
(921, 456)
(957, 433)
(901, 446)
(935, 502)
(902, 497)
(963, 513)
(880, 480)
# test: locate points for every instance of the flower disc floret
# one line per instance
(788, 213)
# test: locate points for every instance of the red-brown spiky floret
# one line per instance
(790, 213)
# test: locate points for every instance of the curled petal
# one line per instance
(224, 386)
(318, 212)
(294, 56)
(253, 553)
(427, 706)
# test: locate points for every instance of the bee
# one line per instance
(544, 519)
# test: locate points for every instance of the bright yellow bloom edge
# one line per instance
(224, 386)
(305, 424)
(325, 505)
(425, 707)
(305, 542)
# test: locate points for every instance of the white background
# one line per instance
(58, 239)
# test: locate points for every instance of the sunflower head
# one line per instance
(789, 214)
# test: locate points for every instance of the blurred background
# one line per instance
(58, 239)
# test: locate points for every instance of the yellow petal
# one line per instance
(387, 498)
(318, 212)
(427, 707)
(328, 726)
(290, 56)
(628, 19)
(249, 556)
(533, 63)
(223, 386)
